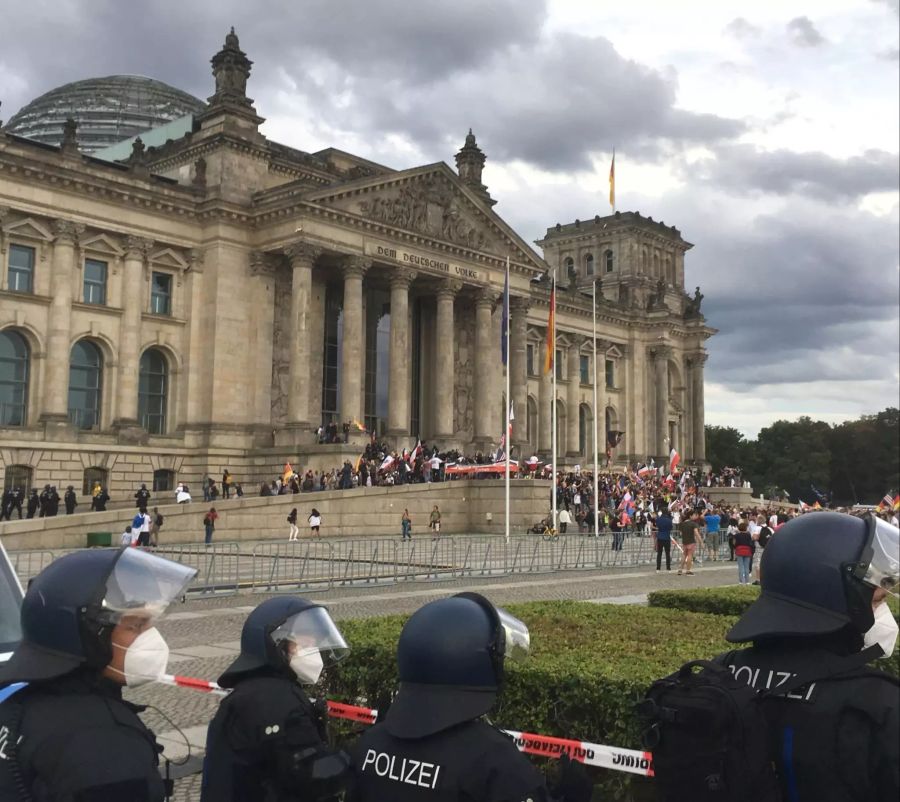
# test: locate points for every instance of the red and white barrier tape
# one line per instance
(605, 757)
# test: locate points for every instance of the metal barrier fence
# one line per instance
(265, 567)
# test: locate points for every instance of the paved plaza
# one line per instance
(204, 633)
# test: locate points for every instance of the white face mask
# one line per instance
(308, 667)
(883, 631)
(146, 659)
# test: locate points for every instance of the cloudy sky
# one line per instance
(766, 131)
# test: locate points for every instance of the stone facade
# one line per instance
(208, 303)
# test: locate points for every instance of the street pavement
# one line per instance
(204, 634)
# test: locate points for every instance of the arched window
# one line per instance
(153, 391)
(589, 264)
(608, 256)
(85, 383)
(17, 476)
(570, 269)
(13, 378)
(93, 476)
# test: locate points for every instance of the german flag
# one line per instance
(551, 334)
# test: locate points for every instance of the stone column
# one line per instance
(573, 395)
(661, 356)
(352, 363)
(545, 412)
(262, 285)
(483, 367)
(600, 411)
(518, 366)
(444, 385)
(302, 257)
(699, 412)
(398, 385)
(133, 293)
(56, 384)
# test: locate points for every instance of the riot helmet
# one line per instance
(450, 658)
(71, 608)
(818, 575)
(291, 635)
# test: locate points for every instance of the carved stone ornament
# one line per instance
(402, 277)
(427, 207)
(67, 232)
(355, 266)
(261, 264)
(302, 253)
(448, 287)
(137, 247)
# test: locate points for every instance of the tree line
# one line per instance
(855, 462)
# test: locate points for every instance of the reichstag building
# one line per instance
(181, 294)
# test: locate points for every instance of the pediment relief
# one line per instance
(168, 258)
(101, 243)
(433, 205)
(614, 353)
(28, 228)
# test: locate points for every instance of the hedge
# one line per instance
(733, 600)
(589, 665)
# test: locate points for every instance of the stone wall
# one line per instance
(363, 512)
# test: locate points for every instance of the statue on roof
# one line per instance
(231, 69)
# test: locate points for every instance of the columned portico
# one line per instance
(56, 388)
(572, 395)
(302, 257)
(353, 268)
(398, 386)
(698, 412)
(518, 376)
(661, 356)
(444, 346)
(483, 367)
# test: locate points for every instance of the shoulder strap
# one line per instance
(843, 666)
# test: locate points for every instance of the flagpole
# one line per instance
(553, 443)
(596, 414)
(508, 400)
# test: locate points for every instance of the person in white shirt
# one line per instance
(564, 520)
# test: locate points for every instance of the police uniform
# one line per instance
(79, 740)
(836, 737)
(66, 734)
(470, 761)
(267, 741)
(434, 743)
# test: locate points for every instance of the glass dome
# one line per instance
(107, 110)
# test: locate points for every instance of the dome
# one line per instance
(107, 110)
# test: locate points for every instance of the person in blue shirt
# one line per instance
(663, 536)
(713, 524)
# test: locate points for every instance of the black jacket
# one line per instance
(472, 762)
(266, 743)
(837, 739)
(79, 740)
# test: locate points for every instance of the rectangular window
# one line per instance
(559, 365)
(610, 374)
(21, 269)
(584, 367)
(161, 294)
(529, 358)
(94, 282)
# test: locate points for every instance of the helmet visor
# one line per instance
(312, 630)
(518, 640)
(884, 568)
(144, 584)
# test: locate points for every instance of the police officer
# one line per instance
(34, 501)
(267, 741)
(87, 630)
(434, 743)
(836, 737)
(141, 498)
(70, 499)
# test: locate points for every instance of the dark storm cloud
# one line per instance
(804, 33)
(383, 67)
(745, 169)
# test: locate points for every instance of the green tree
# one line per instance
(793, 456)
(865, 458)
(725, 447)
